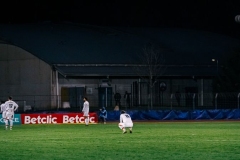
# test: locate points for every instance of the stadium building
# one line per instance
(49, 66)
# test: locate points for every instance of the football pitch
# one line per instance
(211, 140)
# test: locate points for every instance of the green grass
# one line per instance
(165, 140)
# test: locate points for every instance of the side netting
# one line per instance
(219, 114)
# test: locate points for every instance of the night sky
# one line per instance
(209, 15)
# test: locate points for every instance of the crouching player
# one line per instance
(103, 115)
(11, 107)
(125, 122)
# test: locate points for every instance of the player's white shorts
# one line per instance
(4, 114)
(85, 114)
(125, 125)
(9, 115)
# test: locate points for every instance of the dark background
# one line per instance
(209, 15)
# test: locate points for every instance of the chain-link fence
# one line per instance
(162, 101)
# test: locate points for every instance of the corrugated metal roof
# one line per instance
(118, 71)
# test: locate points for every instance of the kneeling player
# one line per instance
(125, 122)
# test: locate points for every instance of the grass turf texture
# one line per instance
(164, 140)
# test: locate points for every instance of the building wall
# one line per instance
(25, 77)
(203, 87)
(92, 85)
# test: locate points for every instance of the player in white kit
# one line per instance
(11, 107)
(85, 111)
(125, 122)
(3, 110)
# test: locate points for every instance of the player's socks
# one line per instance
(86, 121)
(124, 131)
(6, 122)
(130, 129)
(6, 127)
(11, 123)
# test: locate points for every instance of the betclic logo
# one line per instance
(69, 118)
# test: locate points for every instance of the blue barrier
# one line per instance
(178, 115)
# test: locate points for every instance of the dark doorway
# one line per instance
(191, 97)
(73, 95)
(135, 93)
(105, 96)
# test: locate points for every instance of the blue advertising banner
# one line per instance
(16, 119)
(178, 115)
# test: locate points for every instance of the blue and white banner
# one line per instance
(16, 119)
(215, 114)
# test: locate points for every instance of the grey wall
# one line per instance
(25, 77)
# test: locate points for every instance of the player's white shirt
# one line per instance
(85, 107)
(125, 118)
(11, 106)
(3, 108)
